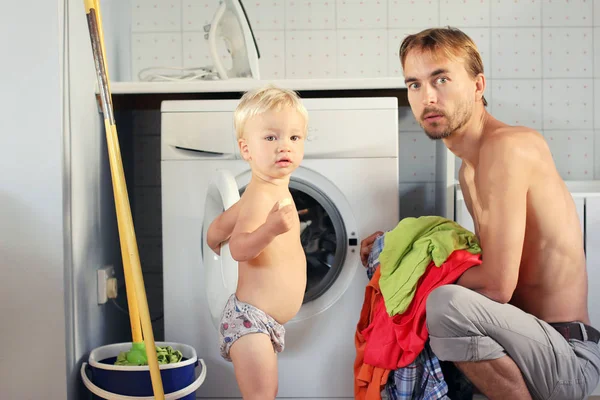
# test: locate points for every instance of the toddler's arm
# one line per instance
(250, 237)
(222, 227)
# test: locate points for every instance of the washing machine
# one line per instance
(346, 188)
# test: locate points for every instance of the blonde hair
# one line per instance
(267, 98)
(452, 43)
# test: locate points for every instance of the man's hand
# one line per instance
(366, 245)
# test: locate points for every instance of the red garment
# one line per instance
(368, 380)
(395, 342)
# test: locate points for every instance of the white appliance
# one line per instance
(348, 185)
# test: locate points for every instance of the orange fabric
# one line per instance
(368, 380)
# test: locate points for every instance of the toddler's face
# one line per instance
(273, 142)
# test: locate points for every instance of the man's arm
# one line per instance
(222, 227)
(503, 179)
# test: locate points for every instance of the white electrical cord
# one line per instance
(186, 74)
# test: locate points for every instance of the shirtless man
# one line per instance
(263, 230)
(517, 325)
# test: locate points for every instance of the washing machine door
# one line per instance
(220, 270)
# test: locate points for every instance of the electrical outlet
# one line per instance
(106, 284)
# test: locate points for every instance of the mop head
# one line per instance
(165, 355)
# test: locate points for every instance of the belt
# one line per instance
(577, 330)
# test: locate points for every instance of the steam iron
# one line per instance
(230, 23)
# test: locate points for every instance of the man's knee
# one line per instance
(447, 310)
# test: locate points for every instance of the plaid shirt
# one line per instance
(423, 378)
(373, 260)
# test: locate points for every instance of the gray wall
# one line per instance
(57, 212)
(32, 246)
(95, 241)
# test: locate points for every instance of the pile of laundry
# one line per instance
(393, 358)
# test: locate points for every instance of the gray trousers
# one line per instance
(464, 325)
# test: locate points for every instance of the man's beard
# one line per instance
(459, 119)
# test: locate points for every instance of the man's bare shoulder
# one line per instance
(514, 144)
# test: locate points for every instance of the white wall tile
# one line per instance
(413, 13)
(196, 14)
(568, 52)
(597, 154)
(597, 48)
(506, 13)
(463, 13)
(407, 121)
(417, 157)
(196, 53)
(156, 51)
(395, 38)
(156, 16)
(362, 14)
(417, 199)
(266, 15)
(362, 53)
(568, 104)
(482, 39)
(304, 39)
(310, 54)
(272, 54)
(310, 14)
(518, 102)
(596, 116)
(573, 153)
(516, 53)
(567, 12)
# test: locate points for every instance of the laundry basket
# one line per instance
(108, 381)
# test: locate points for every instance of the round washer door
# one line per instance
(329, 237)
(220, 270)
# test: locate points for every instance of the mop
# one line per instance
(134, 283)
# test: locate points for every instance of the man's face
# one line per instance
(440, 92)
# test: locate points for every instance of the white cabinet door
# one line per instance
(580, 206)
(462, 215)
(592, 245)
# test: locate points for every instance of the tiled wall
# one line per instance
(541, 59)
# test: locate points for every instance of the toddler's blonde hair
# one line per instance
(267, 98)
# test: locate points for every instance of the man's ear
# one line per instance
(244, 149)
(480, 84)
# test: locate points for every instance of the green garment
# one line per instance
(165, 355)
(410, 247)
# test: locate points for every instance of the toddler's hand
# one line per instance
(280, 219)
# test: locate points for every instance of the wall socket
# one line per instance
(107, 284)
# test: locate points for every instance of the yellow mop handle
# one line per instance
(129, 250)
(134, 316)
